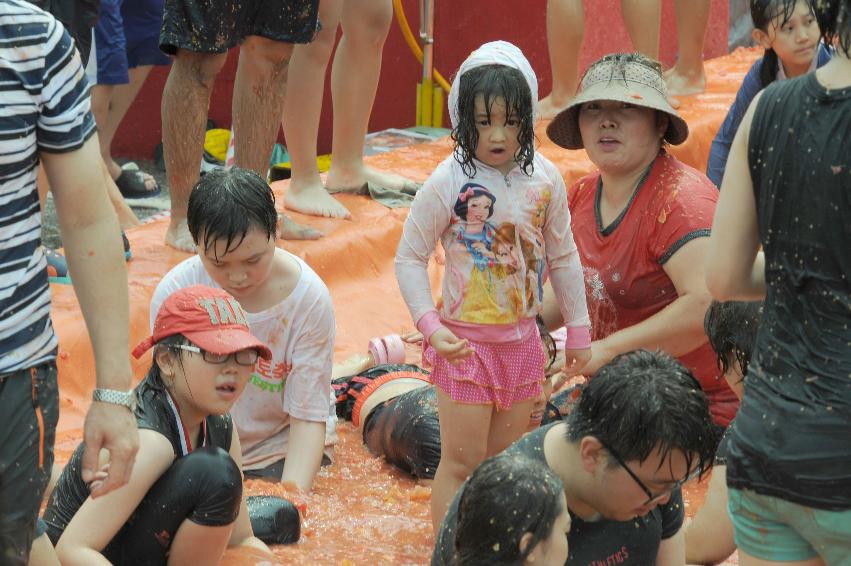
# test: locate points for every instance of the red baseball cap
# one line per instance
(209, 318)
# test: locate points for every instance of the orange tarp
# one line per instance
(355, 259)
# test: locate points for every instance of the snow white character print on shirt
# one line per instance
(481, 302)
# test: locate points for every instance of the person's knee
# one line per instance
(368, 29)
(200, 68)
(460, 463)
(265, 56)
(274, 520)
(217, 485)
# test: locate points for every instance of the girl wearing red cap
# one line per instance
(184, 501)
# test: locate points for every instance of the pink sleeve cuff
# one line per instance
(578, 338)
(428, 324)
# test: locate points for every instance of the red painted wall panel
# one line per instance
(460, 26)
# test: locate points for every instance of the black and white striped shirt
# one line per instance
(44, 107)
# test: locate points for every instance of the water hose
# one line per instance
(429, 96)
(405, 28)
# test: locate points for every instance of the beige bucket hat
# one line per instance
(625, 77)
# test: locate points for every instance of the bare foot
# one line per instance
(549, 107)
(178, 236)
(313, 199)
(291, 230)
(342, 181)
(684, 83)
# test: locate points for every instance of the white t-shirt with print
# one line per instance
(296, 381)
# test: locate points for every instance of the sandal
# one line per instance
(131, 183)
(388, 349)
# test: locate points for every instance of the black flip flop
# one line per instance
(131, 184)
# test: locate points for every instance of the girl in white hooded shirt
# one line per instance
(499, 209)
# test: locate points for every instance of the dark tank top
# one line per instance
(153, 413)
(792, 436)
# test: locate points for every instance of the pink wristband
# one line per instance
(428, 324)
(578, 338)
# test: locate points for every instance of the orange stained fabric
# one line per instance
(355, 258)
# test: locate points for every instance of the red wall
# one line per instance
(460, 27)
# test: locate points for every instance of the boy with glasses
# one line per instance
(640, 429)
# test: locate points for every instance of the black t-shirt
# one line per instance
(635, 542)
(153, 413)
(792, 436)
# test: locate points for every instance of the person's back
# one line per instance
(802, 179)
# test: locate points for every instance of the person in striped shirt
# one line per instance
(45, 117)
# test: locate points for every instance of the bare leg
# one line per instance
(101, 96)
(258, 97)
(126, 217)
(508, 426)
(186, 99)
(354, 80)
(42, 553)
(565, 29)
(198, 544)
(302, 109)
(463, 446)
(122, 98)
(687, 75)
(642, 19)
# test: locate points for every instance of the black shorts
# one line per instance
(29, 403)
(214, 26)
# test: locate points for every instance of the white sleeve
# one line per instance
(182, 275)
(308, 385)
(428, 218)
(565, 269)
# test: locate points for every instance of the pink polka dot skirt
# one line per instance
(500, 374)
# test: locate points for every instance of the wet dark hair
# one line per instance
(460, 207)
(834, 18)
(225, 205)
(763, 12)
(644, 402)
(506, 497)
(549, 342)
(731, 327)
(154, 374)
(492, 81)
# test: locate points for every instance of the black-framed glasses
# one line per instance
(651, 498)
(242, 357)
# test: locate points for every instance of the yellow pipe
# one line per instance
(405, 28)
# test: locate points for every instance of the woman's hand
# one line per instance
(575, 361)
(449, 346)
(600, 356)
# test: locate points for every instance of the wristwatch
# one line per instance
(123, 398)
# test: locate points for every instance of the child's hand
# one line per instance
(449, 346)
(575, 361)
(414, 337)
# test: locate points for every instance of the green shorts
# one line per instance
(773, 529)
